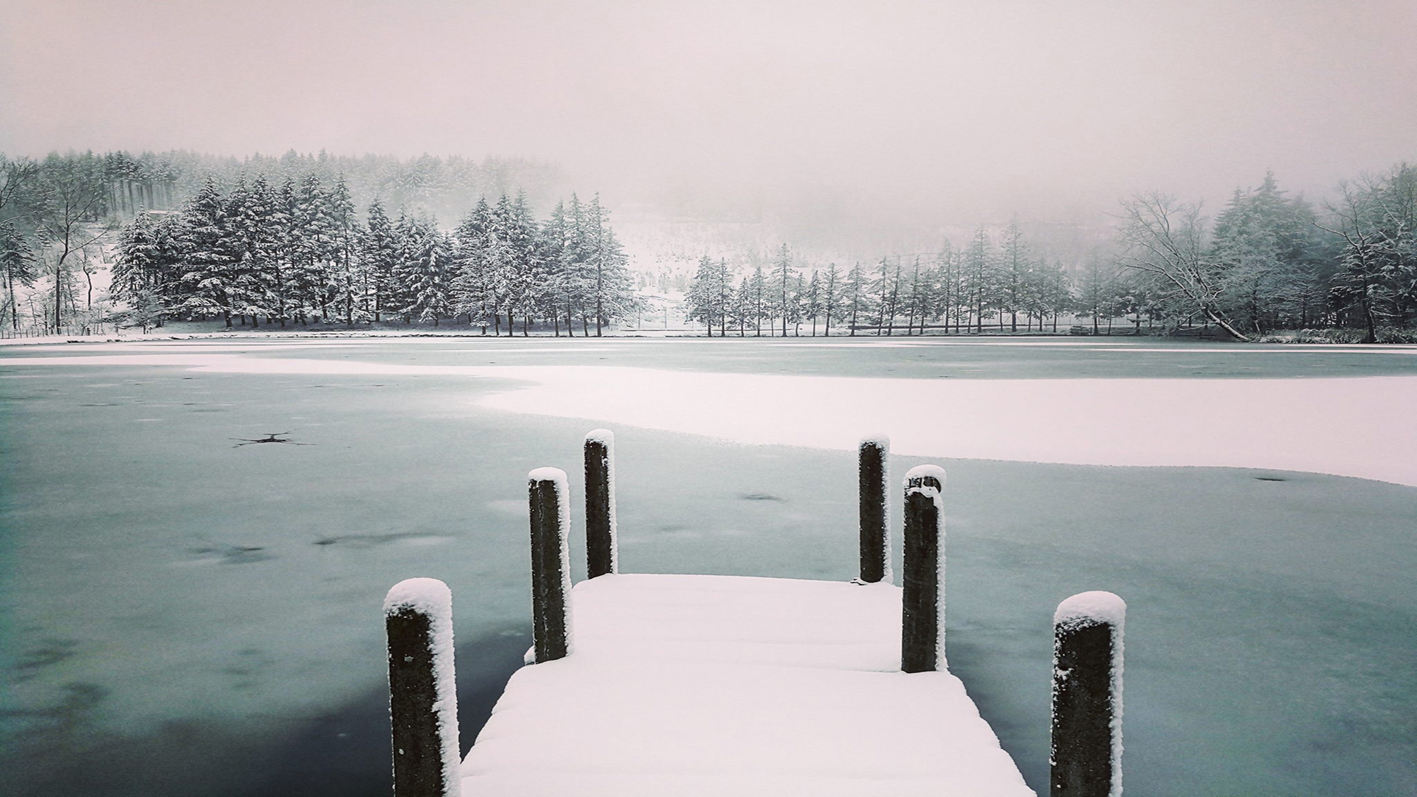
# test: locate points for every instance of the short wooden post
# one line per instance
(550, 564)
(875, 536)
(423, 703)
(922, 638)
(602, 556)
(1086, 754)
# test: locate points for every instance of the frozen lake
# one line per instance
(183, 614)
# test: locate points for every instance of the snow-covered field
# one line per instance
(182, 608)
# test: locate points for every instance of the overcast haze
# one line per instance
(967, 110)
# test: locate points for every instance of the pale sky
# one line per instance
(1046, 108)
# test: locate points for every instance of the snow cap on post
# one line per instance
(1087, 695)
(873, 455)
(923, 595)
(423, 708)
(602, 548)
(548, 493)
(925, 475)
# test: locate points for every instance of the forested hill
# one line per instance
(445, 187)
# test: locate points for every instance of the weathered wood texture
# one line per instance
(418, 745)
(922, 641)
(548, 577)
(599, 507)
(875, 539)
(1086, 734)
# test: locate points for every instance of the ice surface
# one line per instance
(1317, 624)
(689, 685)
(1338, 426)
(431, 597)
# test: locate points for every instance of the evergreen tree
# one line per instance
(379, 249)
(208, 261)
(813, 302)
(980, 279)
(782, 271)
(1016, 273)
(831, 301)
(704, 299)
(857, 293)
(346, 274)
(472, 285)
(757, 289)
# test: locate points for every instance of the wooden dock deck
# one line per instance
(688, 685)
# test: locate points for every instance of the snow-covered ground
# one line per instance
(182, 607)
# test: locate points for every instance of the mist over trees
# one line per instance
(301, 238)
(1268, 262)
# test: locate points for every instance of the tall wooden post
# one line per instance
(874, 458)
(550, 563)
(602, 556)
(1087, 696)
(423, 703)
(922, 638)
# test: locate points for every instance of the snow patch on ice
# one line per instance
(1338, 426)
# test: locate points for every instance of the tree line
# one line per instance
(1267, 262)
(299, 253)
(962, 290)
(1271, 262)
(59, 215)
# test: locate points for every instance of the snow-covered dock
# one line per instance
(689, 685)
(685, 685)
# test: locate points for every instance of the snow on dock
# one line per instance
(691, 685)
(688, 685)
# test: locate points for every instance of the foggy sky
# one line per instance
(967, 110)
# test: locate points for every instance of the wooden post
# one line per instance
(423, 709)
(550, 564)
(922, 638)
(875, 536)
(1087, 696)
(601, 550)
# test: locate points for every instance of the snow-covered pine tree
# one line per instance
(757, 289)
(346, 265)
(857, 296)
(783, 274)
(1015, 277)
(379, 251)
(471, 284)
(702, 299)
(312, 240)
(980, 277)
(831, 297)
(425, 271)
(528, 288)
(209, 266)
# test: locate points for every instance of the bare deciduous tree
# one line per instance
(1167, 239)
(69, 216)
